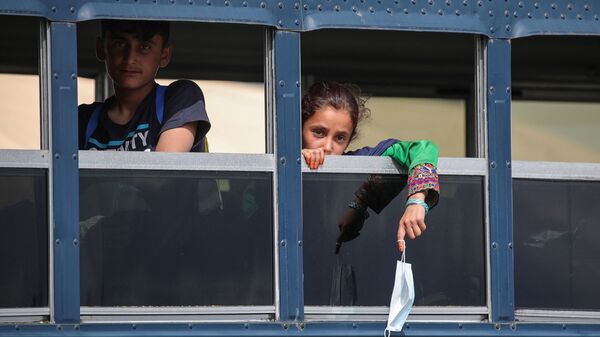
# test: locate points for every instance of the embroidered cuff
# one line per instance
(425, 177)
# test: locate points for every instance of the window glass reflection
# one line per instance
(557, 258)
(175, 238)
(447, 260)
(23, 238)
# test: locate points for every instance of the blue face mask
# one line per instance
(403, 297)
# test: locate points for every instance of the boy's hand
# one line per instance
(314, 157)
(412, 221)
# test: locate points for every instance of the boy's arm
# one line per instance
(179, 139)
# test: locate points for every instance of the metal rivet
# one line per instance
(521, 4)
(440, 12)
(354, 9)
(389, 10)
(423, 11)
(405, 10)
(298, 161)
(73, 76)
(508, 90)
(492, 29)
(190, 326)
(507, 13)
(76, 327)
(497, 326)
(372, 10)
(492, 89)
(545, 15)
(508, 163)
(55, 75)
(226, 3)
(280, 5)
(286, 326)
(281, 83)
(536, 5)
(507, 28)
(300, 243)
(305, 7)
(460, 326)
(296, 5)
(491, 13)
(336, 8)
(74, 156)
(208, 2)
(553, 6)
(319, 7)
(465, 3)
(246, 325)
(448, 3)
(282, 243)
(407, 325)
(515, 14)
(457, 12)
(354, 325)
(296, 22)
(414, 2)
(579, 17)
(191, 2)
(280, 23)
(493, 164)
(263, 5)
(510, 245)
(569, 7)
(562, 16)
(282, 160)
(59, 327)
(75, 242)
(480, 3)
(72, 9)
(430, 2)
(564, 326)
(529, 15)
(133, 326)
(53, 9)
(173, 2)
(57, 155)
(298, 84)
(586, 7)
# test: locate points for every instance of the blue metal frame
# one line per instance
(289, 174)
(500, 20)
(500, 180)
(64, 171)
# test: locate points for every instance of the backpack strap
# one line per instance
(93, 122)
(160, 103)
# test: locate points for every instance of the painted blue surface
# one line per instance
(289, 176)
(305, 329)
(500, 180)
(64, 172)
(493, 18)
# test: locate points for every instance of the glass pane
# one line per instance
(557, 257)
(19, 83)
(448, 260)
(24, 238)
(176, 238)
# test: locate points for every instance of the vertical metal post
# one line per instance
(286, 49)
(500, 179)
(64, 177)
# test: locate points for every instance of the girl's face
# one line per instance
(328, 128)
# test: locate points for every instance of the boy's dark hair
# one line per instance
(338, 96)
(143, 30)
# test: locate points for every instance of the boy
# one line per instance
(142, 116)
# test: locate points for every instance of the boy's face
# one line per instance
(130, 62)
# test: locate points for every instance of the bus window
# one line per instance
(19, 84)
(556, 99)
(226, 61)
(414, 91)
(419, 86)
(193, 237)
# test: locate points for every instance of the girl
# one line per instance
(330, 114)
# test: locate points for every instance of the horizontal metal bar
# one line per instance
(376, 314)
(555, 170)
(565, 316)
(348, 328)
(385, 165)
(178, 314)
(155, 311)
(23, 159)
(131, 160)
(5, 312)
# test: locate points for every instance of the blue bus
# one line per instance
(239, 241)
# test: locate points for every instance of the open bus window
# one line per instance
(556, 99)
(419, 85)
(19, 83)
(224, 60)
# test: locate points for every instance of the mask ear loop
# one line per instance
(388, 333)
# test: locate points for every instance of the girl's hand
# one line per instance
(314, 157)
(412, 221)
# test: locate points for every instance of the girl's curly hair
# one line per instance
(338, 96)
